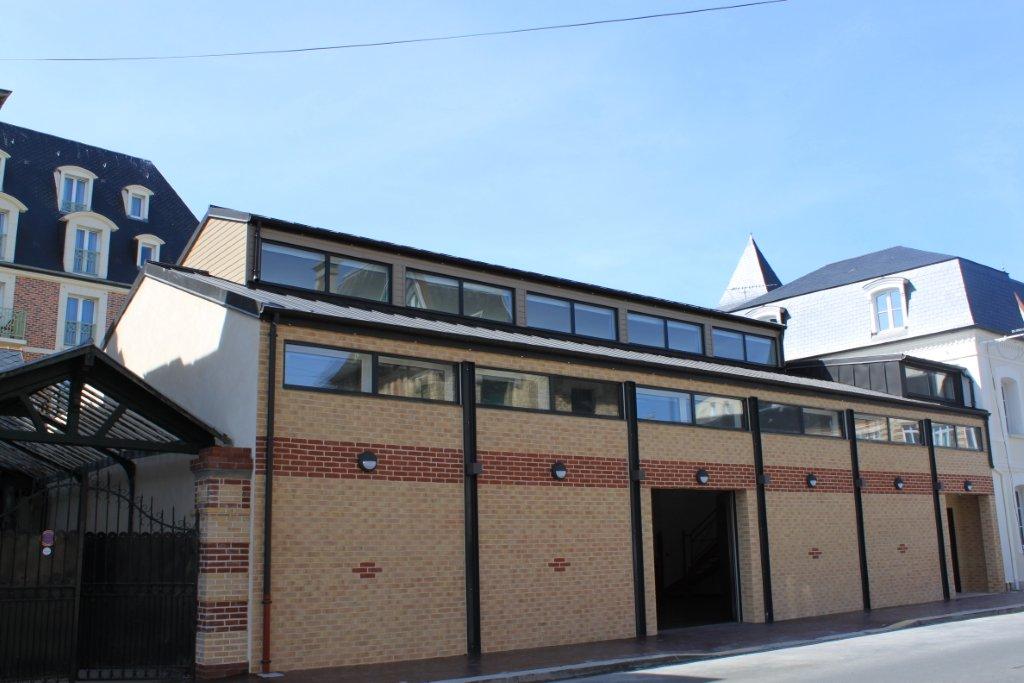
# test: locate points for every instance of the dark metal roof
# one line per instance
(875, 264)
(260, 302)
(875, 358)
(990, 293)
(437, 257)
(79, 409)
(29, 178)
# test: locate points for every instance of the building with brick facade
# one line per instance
(923, 324)
(76, 224)
(433, 456)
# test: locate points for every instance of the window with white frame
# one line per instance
(74, 188)
(888, 306)
(87, 243)
(136, 202)
(148, 249)
(10, 209)
(4, 156)
(79, 320)
(1012, 412)
(87, 251)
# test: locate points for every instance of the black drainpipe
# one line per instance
(472, 468)
(636, 476)
(754, 416)
(268, 488)
(943, 572)
(858, 506)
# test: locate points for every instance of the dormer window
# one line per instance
(10, 209)
(4, 156)
(136, 202)
(148, 250)
(74, 188)
(888, 298)
(87, 243)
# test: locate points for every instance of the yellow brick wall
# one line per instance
(902, 550)
(525, 602)
(815, 563)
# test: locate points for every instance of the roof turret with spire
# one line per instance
(752, 278)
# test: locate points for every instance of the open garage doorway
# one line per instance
(694, 555)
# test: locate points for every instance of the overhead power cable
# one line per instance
(385, 43)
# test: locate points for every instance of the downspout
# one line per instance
(858, 507)
(636, 477)
(268, 488)
(754, 416)
(936, 503)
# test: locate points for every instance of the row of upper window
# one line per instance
(898, 430)
(346, 371)
(74, 191)
(319, 271)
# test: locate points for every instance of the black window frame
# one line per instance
(462, 295)
(888, 430)
(664, 331)
(774, 340)
(374, 374)
(327, 271)
(551, 394)
(803, 425)
(745, 419)
(956, 437)
(958, 388)
(572, 316)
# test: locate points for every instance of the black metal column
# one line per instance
(937, 504)
(472, 469)
(858, 505)
(753, 414)
(636, 476)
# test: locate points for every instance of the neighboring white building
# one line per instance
(906, 321)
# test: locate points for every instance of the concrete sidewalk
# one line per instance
(680, 645)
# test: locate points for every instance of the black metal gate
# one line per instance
(95, 584)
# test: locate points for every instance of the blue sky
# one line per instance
(636, 155)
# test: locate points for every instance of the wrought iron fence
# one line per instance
(85, 261)
(69, 206)
(78, 333)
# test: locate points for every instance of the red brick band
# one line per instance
(338, 460)
(224, 557)
(794, 479)
(223, 616)
(682, 474)
(980, 485)
(884, 482)
(534, 469)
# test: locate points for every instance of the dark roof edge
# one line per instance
(880, 358)
(61, 273)
(79, 142)
(323, 233)
(180, 280)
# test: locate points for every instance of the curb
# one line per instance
(594, 668)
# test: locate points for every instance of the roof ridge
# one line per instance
(78, 142)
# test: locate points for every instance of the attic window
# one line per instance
(148, 249)
(74, 188)
(136, 202)
(888, 298)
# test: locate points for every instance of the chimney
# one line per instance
(4, 94)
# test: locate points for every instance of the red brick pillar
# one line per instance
(223, 496)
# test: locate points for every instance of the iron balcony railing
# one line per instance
(85, 261)
(12, 323)
(69, 206)
(76, 334)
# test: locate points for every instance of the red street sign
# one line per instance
(46, 539)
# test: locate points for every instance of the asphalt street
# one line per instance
(987, 649)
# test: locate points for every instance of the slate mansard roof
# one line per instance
(990, 292)
(261, 303)
(29, 178)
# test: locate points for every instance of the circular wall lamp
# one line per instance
(968, 486)
(559, 471)
(703, 477)
(367, 461)
(812, 480)
(898, 483)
